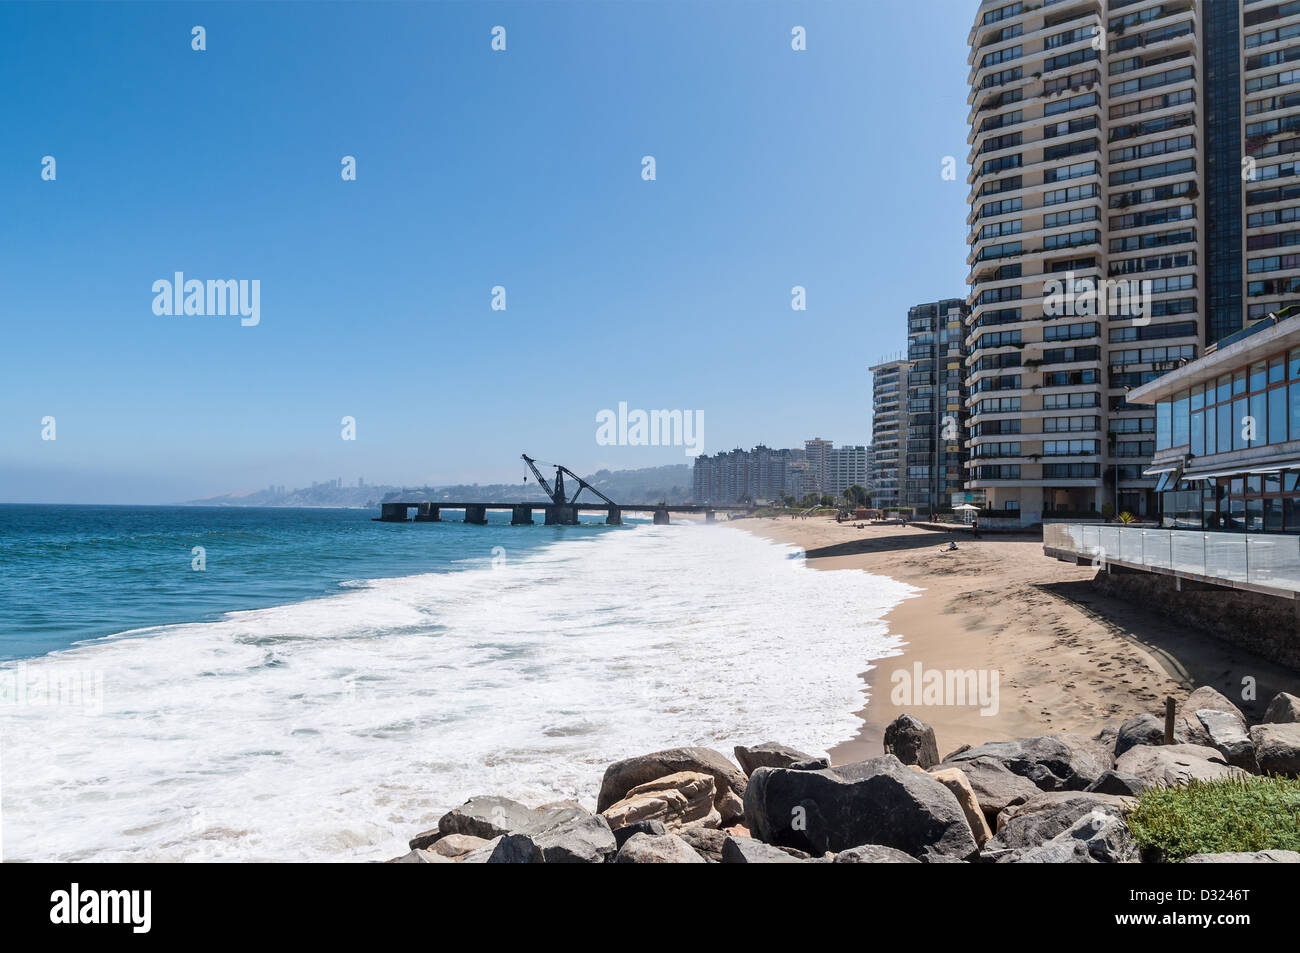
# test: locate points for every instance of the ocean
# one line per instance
(327, 686)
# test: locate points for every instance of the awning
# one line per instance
(1237, 472)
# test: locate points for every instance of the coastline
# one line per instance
(1067, 657)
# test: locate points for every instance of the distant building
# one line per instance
(743, 475)
(934, 453)
(888, 430)
(767, 474)
(845, 467)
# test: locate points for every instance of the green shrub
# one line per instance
(1212, 817)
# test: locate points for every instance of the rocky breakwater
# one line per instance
(1059, 798)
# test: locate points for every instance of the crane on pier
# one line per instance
(557, 494)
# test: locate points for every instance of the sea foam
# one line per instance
(335, 729)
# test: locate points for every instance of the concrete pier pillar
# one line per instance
(521, 516)
(661, 516)
(561, 514)
(476, 515)
(427, 513)
(615, 517)
(710, 516)
(392, 512)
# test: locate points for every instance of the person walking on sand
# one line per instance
(975, 528)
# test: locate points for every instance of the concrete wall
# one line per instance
(1266, 625)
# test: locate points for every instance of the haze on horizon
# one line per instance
(474, 169)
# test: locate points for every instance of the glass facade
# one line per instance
(1253, 406)
(1222, 44)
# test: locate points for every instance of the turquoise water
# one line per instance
(69, 573)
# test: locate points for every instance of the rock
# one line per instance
(621, 776)
(424, 839)
(515, 849)
(1053, 762)
(1144, 729)
(661, 849)
(1116, 782)
(1167, 765)
(1042, 818)
(1247, 857)
(1228, 736)
(454, 845)
(769, 754)
(585, 839)
(486, 816)
(880, 801)
(911, 741)
(1207, 697)
(706, 841)
(952, 754)
(1097, 837)
(1277, 748)
(746, 850)
(675, 799)
(996, 787)
(874, 854)
(622, 834)
(481, 855)
(421, 857)
(957, 782)
(1283, 709)
(1189, 728)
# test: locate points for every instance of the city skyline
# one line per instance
(370, 299)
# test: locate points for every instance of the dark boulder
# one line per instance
(640, 827)
(486, 816)
(1053, 762)
(911, 741)
(746, 850)
(1144, 729)
(1098, 837)
(1116, 782)
(996, 786)
(881, 801)
(1042, 818)
(770, 754)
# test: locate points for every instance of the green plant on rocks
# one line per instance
(1220, 816)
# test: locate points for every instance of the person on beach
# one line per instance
(975, 528)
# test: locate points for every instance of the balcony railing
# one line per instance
(1268, 560)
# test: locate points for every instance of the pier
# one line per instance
(553, 514)
(560, 510)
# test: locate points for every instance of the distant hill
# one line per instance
(647, 485)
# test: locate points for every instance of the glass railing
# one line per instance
(1262, 559)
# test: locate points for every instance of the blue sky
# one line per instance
(475, 168)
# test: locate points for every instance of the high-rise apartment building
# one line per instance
(888, 430)
(934, 445)
(1132, 195)
(845, 466)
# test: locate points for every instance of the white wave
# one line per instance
(335, 729)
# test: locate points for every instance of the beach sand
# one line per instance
(1067, 657)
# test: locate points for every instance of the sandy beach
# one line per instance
(1067, 657)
